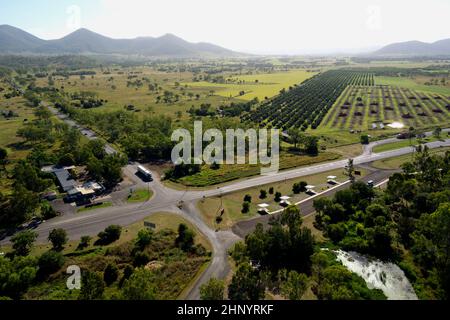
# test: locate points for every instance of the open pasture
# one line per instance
(248, 87)
(418, 83)
(146, 89)
(375, 107)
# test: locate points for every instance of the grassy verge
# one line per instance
(140, 195)
(401, 144)
(396, 162)
(226, 173)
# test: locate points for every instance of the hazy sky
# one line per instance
(256, 26)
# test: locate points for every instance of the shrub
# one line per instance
(141, 259)
(277, 197)
(111, 234)
(110, 274)
(245, 207)
(50, 262)
(262, 194)
(84, 242)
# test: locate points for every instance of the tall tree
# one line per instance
(58, 238)
(92, 286)
(23, 242)
(212, 290)
(246, 284)
(139, 286)
(350, 171)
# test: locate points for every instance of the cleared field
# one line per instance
(8, 138)
(414, 84)
(248, 87)
(375, 107)
(139, 87)
(232, 203)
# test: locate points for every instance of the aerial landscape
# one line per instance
(162, 160)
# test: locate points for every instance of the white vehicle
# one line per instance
(145, 173)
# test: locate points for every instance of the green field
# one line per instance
(254, 86)
(413, 84)
(8, 138)
(361, 107)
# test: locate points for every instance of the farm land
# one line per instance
(248, 87)
(367, 108)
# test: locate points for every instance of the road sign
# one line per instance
(149, 225)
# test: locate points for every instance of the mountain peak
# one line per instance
(84, 32)
(13, 40)
(171, 36)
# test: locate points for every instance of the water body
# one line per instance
(385, 276)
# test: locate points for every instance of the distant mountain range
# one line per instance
(416, 48)
(16, 41)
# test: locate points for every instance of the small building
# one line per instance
(262, 208)
(310, 190)
(79, 194)
(332, 180)
(95, 186)
(65, 180)
(284, 201)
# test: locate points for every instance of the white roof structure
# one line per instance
(284, 198)
(144, 170)
(263, 205)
